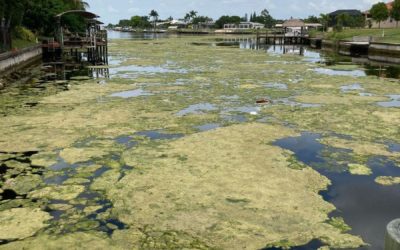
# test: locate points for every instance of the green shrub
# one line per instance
(24, 34)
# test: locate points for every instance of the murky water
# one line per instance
(395, 102)
(131, 93)
(364, 204)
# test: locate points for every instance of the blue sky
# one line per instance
(113, 10)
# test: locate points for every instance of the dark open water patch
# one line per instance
(127, 141)
(366, 206)
(159, 135)
(393, 147)
(312, 245)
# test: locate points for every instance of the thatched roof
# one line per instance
(293, 23)
(82, 13)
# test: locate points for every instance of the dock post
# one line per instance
(392, 238)
(257, 38)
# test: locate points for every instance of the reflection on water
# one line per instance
(136, 36)
(394, 102)
(365, 205)
(197, 109)
(333, 72)
(131, 93)
(208, 126)
(351, 87)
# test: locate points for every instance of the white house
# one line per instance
(243, 26)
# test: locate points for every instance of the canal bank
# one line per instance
(14, 60)
(375, 51)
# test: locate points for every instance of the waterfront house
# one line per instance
(293, 27)
(333, 16)
(204, 25)
(177, 24)
(243, 26)
(389, 23)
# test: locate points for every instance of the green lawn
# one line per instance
(20, 44)
(390, 35)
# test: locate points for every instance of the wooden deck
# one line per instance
(274, 38)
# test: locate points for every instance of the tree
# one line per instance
(311, 19)
(324, 20)
(201, 19)
(395, 13)
(11, 15)
(154, 15)
(124, 23)
(227, 19)
(342, 20)
(140, 22)
(264, 18)
(190, 16)
(379, 12)
(193, 14)
(187, 17)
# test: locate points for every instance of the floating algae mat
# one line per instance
(174, 152)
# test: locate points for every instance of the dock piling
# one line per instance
(392, 238)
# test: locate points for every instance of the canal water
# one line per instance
(365, 205)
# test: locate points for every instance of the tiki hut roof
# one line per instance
(293, 23)
(82, 13)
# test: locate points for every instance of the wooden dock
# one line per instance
(274, 39)
(84, 49)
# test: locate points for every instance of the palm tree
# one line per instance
(77, 4)
(154, 15)
(324, 20)
(190, 16)
(193, 14)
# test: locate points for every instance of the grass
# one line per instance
(21, 44)
(390, 35)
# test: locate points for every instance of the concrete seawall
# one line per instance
(385, 48)
(15, 59)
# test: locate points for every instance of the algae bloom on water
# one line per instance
(174, 152)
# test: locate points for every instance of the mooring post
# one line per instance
(392, 238)
(257, 38)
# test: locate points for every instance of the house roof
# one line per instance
(313, 25)
(82, 13)
(349, 12)
(389, 5)
(293, 23)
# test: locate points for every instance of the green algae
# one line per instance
(44, 159)
(387, 180)
(23, 184)
(106, 181)
(21, 223)
(78, 240)
(209, 178)
(76, 155)
(363, 148)
(339, 223)
(65, 192)
(358, 169)
(162, 199)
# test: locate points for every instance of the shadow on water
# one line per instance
(159, 135)
(91, 198)
(370, 67)
(365, 205)
(312, 245)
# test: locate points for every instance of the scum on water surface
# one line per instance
(174, 152)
